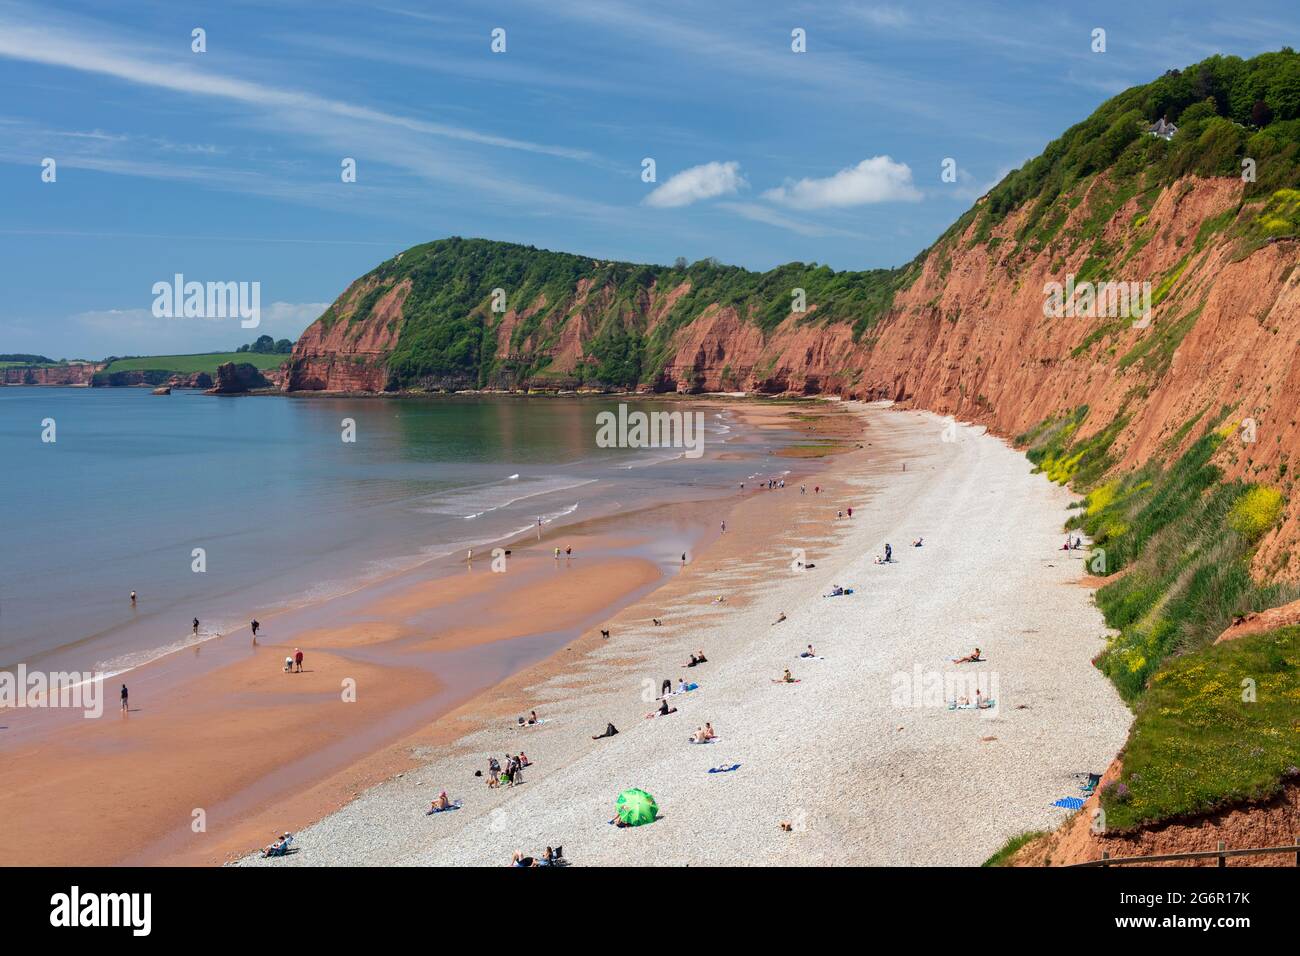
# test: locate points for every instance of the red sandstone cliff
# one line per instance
(968, 337)
(74, 373)
(344, 352)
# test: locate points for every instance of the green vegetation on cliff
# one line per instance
(1178, 540)
(450, 329)
(158, 369)
(1228, 111)
(1217, 728)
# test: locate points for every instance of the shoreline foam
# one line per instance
(79, 786)
(862, 779)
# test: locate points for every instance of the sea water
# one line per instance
(222, 508)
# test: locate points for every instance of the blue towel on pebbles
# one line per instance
(734, 766)
(1069, 803)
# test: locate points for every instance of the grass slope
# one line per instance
(189, 364)
(1184, 537)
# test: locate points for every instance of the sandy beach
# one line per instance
(865, 761)
(219, 737)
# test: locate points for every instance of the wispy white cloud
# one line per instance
(706, 181)
(452, 156)
(874, 180)
(137, 331)
(136, 63)
(243, 240)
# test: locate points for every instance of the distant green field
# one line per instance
(186, 364)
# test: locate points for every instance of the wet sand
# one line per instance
(861, 774)
(221, 748)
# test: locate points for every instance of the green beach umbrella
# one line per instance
(636, 807)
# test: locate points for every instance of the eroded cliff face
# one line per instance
(77, 373)
(346, 352)
(968, 337)
(975, 343)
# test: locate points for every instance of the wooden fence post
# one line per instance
(1105, 855)
(1223, 859)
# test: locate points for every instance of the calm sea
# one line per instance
(285, 512)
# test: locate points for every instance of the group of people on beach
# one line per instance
(703, 734)
(293, 664)
(509, 773)
(666, 688)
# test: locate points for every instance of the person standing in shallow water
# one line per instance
(124, 697)
(255, 625)
(133, 599)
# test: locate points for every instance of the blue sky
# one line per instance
(225, 165)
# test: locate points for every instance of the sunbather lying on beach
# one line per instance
(779, 618)
(969, 658)
(610, 731)
(964, 703)
(696, 658)
(658, 623)
(518, 859)
(786, 678)
(917, 543)
(808, 653)
(553, 857)
(663, 711)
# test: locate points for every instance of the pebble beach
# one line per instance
(863, 757)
